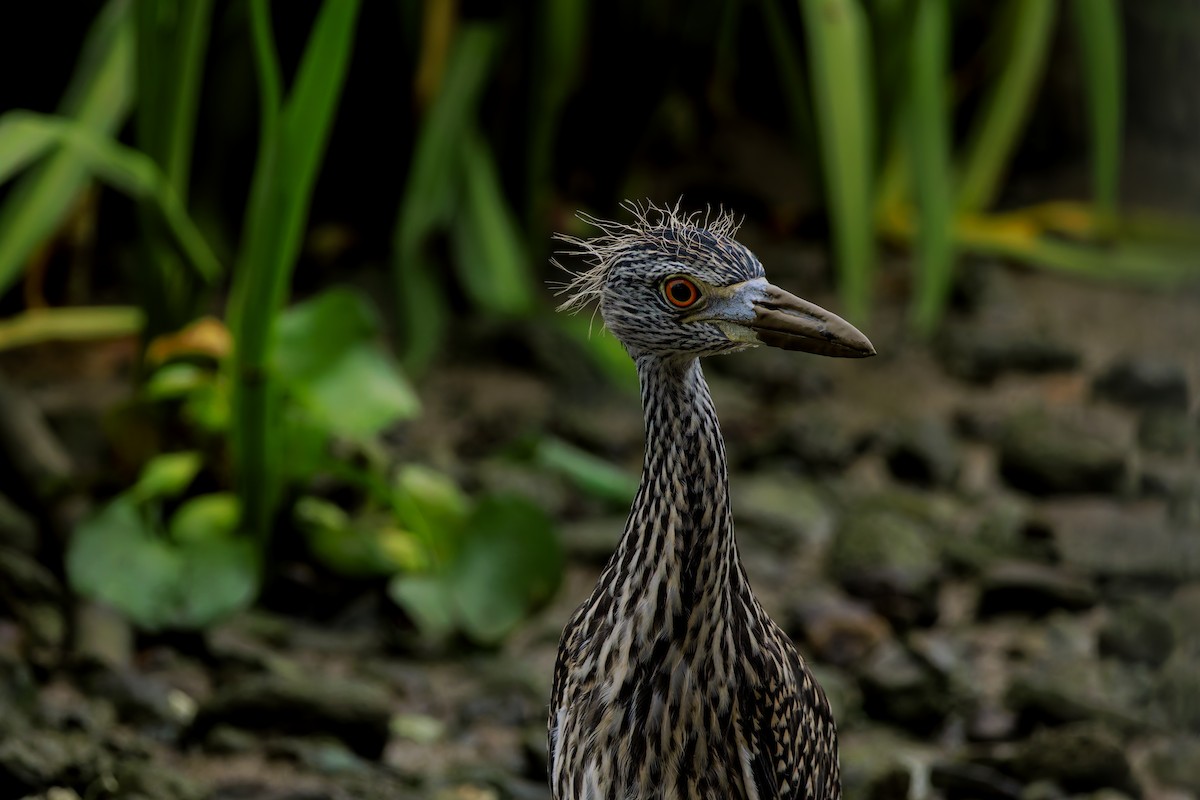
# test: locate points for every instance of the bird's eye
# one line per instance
(680, 292)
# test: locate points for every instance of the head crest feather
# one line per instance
(661, 227)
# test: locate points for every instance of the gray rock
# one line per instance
(989, 722)
(1059, 689)
(355, 712)
(1144, 382)
(886, 557)
(1026, 587)
(1132, 543)
(42, 759)
(1177, 762)
(783, 509)
(902, 689)
(1080, 757)
(959, 780)
(836, 629)
(818, 440)
(981, 353)
(877, 762)
(843, 693)
(924, 452)
(1138, 631)
(1179, 693)
(1166, 431)
(1044, 453)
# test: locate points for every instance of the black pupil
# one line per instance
(680, 292)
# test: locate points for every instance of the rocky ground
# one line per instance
(988, 548)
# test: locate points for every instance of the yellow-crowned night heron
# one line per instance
(671, 681)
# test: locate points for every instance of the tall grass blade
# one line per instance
(561, 33)
(928, 129)
(786, 52)
(428, 203)
(292, 141)
(69, 324)
(493, 266)
(100, 95)
(125, 169)
(839, 63)
(1026, 27)
(1098, 25)
(171, 44)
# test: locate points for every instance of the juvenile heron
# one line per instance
(671, 681)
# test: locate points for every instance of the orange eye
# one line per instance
(680, 292)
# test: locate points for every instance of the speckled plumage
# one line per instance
(671, 681)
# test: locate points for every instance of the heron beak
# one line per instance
(790, 323)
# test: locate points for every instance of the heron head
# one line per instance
(673, 284)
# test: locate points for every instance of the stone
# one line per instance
(960, 780)
(1026, 587)
(836, 629)
(1144, 382)
(1176, 762)
(817, 440)
(902, 689)
(1139, 632)
(1066, 688)
(885, 557)
(1118, 542)
(783, 509)
(981, 353)
(1166, 431)
(1179, 693)
(1047, 453)
(924, 452)
(355, 712)
(1079, 757)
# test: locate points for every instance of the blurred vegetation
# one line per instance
(451, 134)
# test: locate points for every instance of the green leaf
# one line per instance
(605, 351)
(99, 98)
(361, 394)
(928, 141)
(510, 562)
(1026, 27)
(429, 602)
(368, 546)
(217, 577)
(327, 358)
(839, 62)
(205, 517)
(312, 336)
(593, 475)
(175, 380)
(115, 557)
(490, 256)
(166, 475)
(75, 323)
(21, 144)
(1098, 26)
(118, 557)
(292, 138)
(438, 504)
(427, 205)
(123, 168)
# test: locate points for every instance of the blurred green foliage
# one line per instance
(505, 109)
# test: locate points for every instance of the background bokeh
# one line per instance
(302, 474)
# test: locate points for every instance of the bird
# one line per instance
(671, 682)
